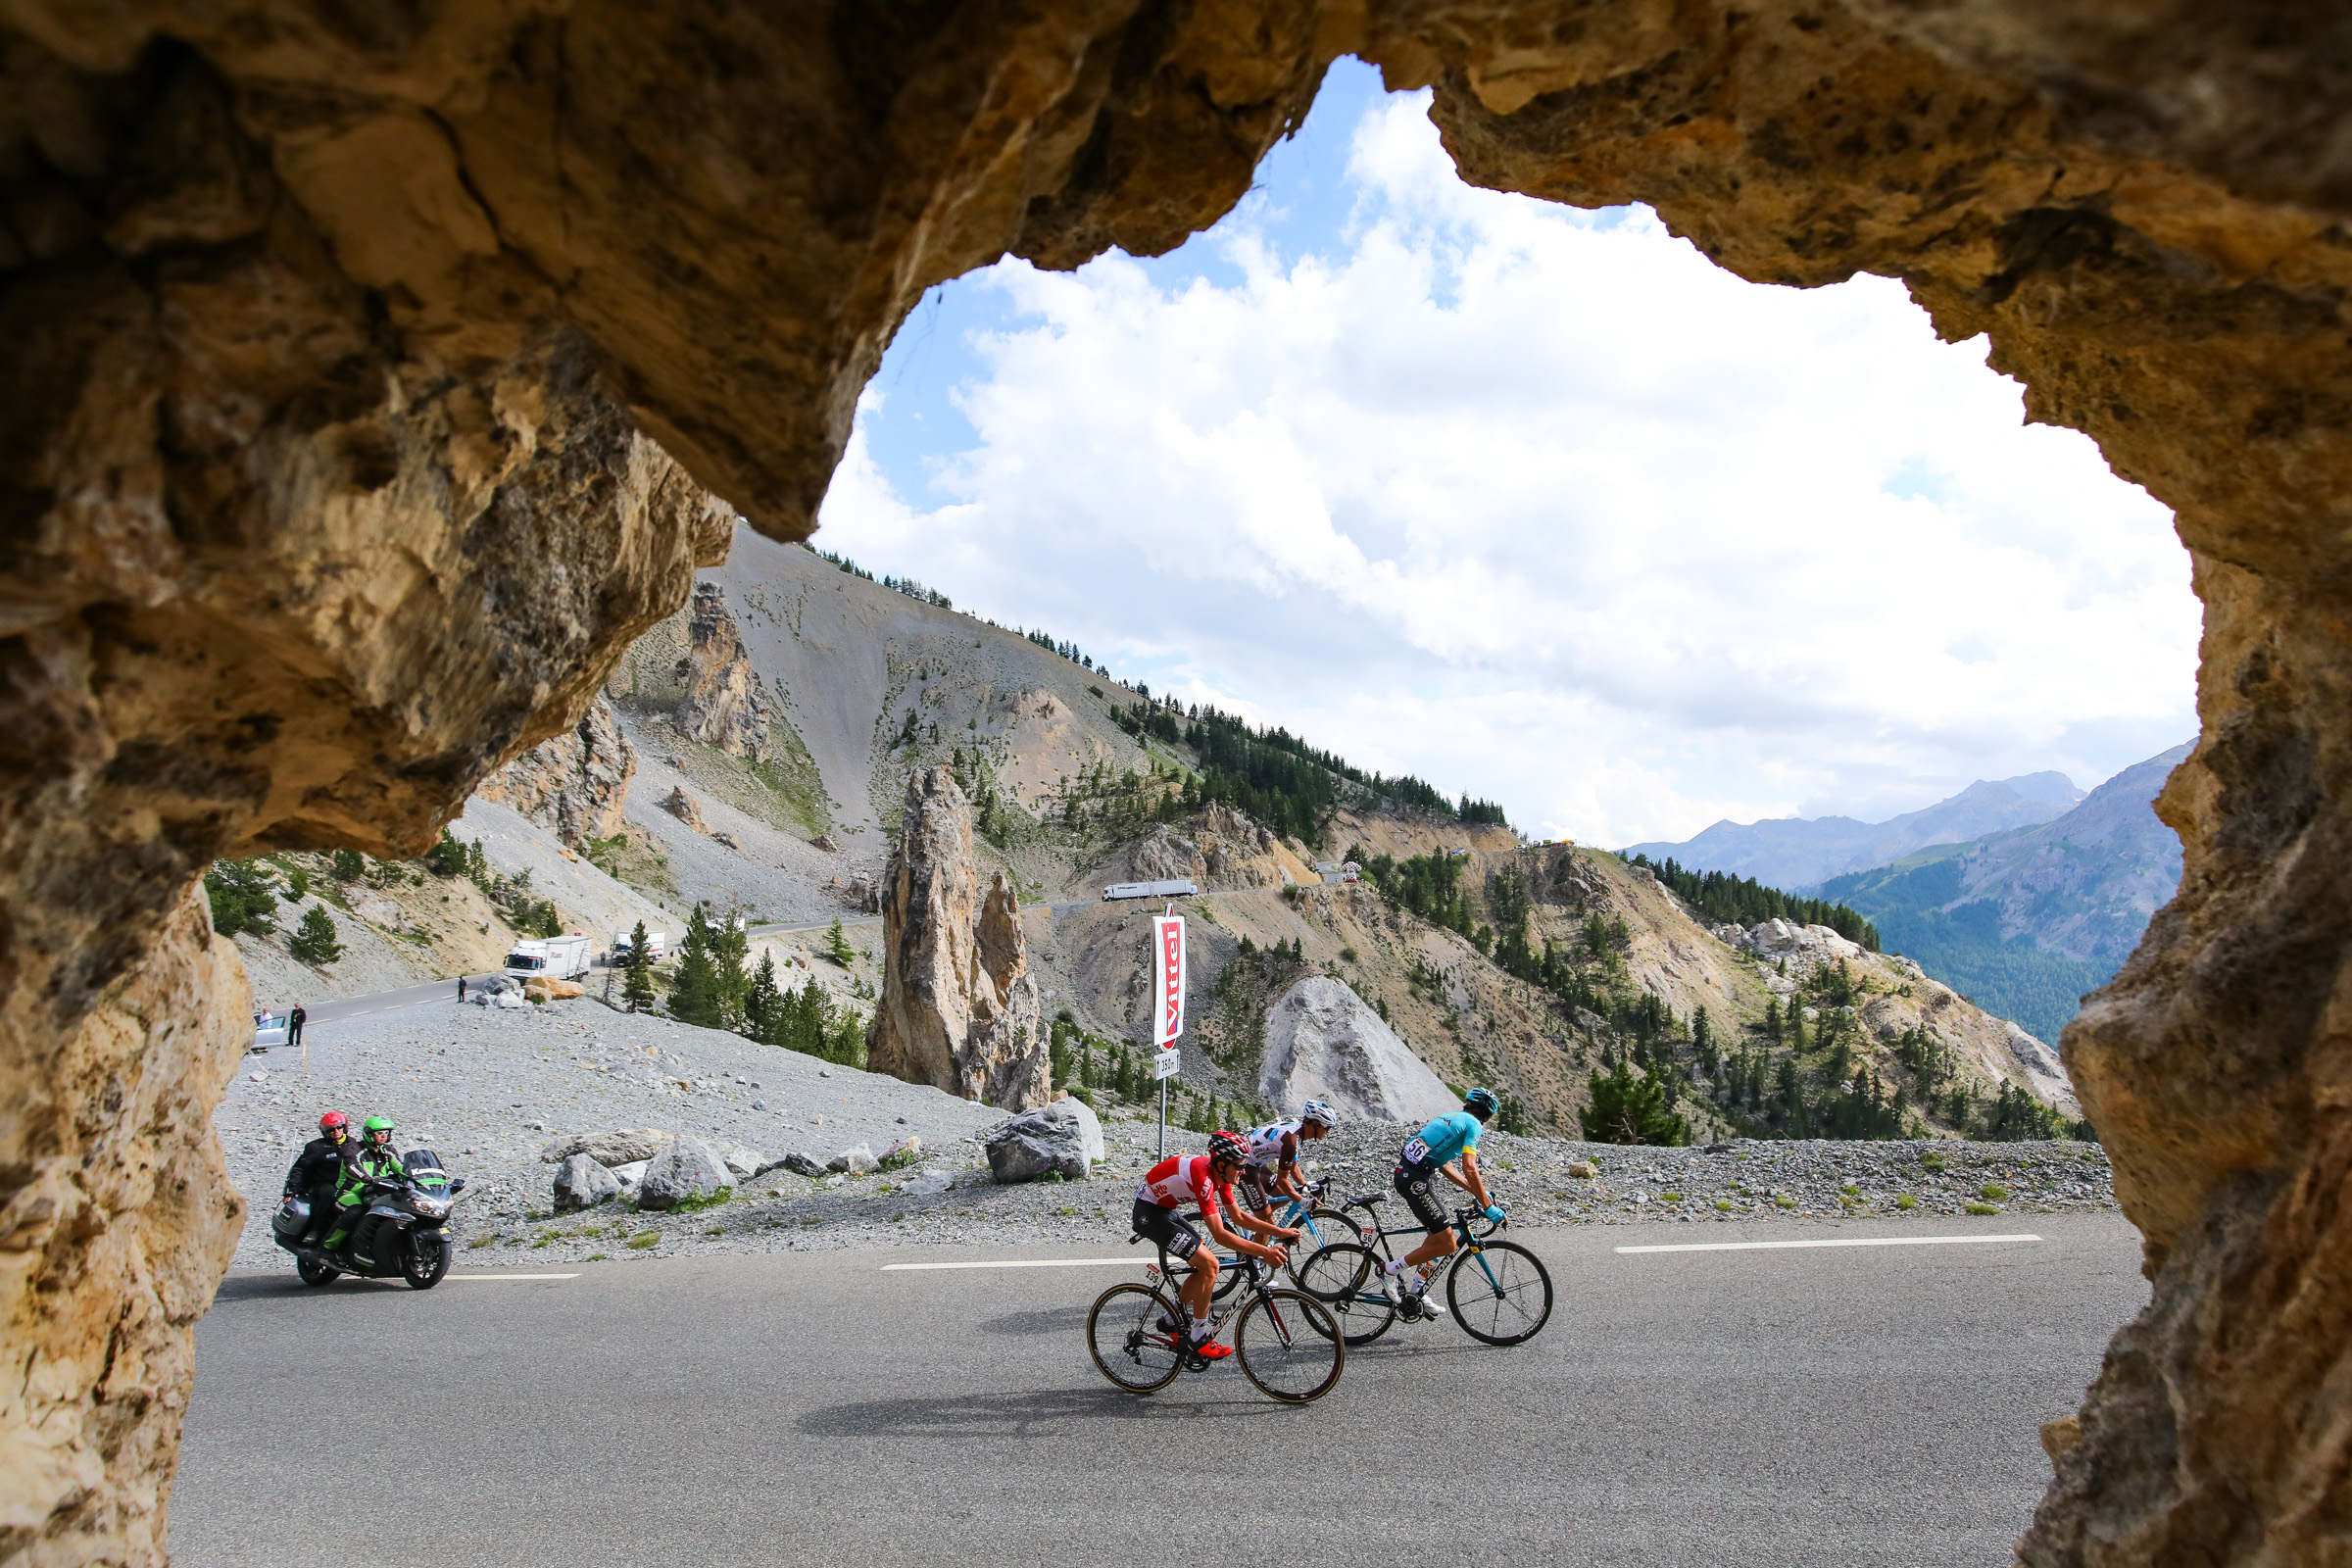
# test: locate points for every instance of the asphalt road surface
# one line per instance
(1850, 1405)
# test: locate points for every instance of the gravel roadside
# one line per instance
(490, 1090)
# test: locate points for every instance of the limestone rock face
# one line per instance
(723, 706)
(960, 1009)
(577, 783)
(1225, 852)
(119, 1224)
(1324, 1041)
(335, 357)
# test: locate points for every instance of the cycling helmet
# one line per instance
(1315, 1110)
(1229, 1148)
(1480, 1103)
(335, 1121)
(378, 1129)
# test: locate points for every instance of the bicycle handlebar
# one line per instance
(1462, 1217)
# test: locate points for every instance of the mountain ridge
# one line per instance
(2028, 920)
(1799, 853)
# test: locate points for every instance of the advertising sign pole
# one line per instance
(1167, 1020)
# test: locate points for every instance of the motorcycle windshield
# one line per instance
(425, 1169)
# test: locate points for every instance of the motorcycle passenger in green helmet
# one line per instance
(370, 1159)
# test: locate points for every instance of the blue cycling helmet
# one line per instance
(1482, 1104)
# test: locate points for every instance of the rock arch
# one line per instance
(366, 371)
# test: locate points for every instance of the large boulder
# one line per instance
(856, 1160)
(1033, 1144)
(1324, 1041)
(742, 1162)
(582, 1183)
(1072, 1109)
(801, 1165)
(620, 1145)
(685, 1169)
(545, 988)
(960, 1009)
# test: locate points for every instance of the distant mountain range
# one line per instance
(1799, 853)
(2024, 921)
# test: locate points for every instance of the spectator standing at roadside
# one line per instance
(294, 1025)
(461, 988)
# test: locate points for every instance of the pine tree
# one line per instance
(1772, 1019)
(1796, 1025)
(314, 943)
(763, 1003)
(1627, 1110)
(637, 987)
(730, 947)
(837, 945)
(696, 995)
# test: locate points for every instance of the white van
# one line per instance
(563, 958)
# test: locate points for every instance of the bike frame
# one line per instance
(1466, 1248)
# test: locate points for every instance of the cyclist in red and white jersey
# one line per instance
(1202, 1179)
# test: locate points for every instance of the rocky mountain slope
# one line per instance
(756, 751)
(1799, 853)
(2028, 920)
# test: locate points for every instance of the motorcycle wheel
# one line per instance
(426, 1262)
(315, 1273)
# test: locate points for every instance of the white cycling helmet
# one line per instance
(1315, 1110)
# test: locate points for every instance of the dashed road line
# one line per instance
(509, 1276)
(1842, 1240)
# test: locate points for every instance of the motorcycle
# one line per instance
(402, 1232)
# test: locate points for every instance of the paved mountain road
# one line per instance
(1867, 1405)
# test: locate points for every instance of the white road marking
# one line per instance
(509, 1276)
(1843, 1241)
(1038, 1262)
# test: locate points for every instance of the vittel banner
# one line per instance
(1167, 940)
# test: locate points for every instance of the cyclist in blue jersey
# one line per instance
(1448, 1146)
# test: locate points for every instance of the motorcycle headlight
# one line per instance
(430, 1208)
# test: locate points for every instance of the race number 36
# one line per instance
(1167, 948)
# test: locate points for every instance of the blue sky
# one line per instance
(1532, 501)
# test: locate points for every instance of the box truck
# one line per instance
(563, 958)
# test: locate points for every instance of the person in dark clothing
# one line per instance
(461, 988)
(319, 1169)
(294, 1025)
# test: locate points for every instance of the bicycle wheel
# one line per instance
(1128, 1344)
(1288, 1345)
(1320, 1228)
(1340, 1276)
(1499, 1294)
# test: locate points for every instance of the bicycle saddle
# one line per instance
(1368, 1199)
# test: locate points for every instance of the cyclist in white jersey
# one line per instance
(1272, 1171)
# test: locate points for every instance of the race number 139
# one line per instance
(1167, 950)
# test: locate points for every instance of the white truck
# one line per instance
(1151, 890)
(656, 944)
(563, 958)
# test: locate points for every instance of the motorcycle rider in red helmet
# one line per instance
(317, 1169)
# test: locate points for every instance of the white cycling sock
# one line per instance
(1202, 1330)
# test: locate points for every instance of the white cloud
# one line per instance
(1539, 503)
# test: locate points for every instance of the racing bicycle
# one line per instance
(1288, 1343)
(1498, 1291)
(1317, 1227)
